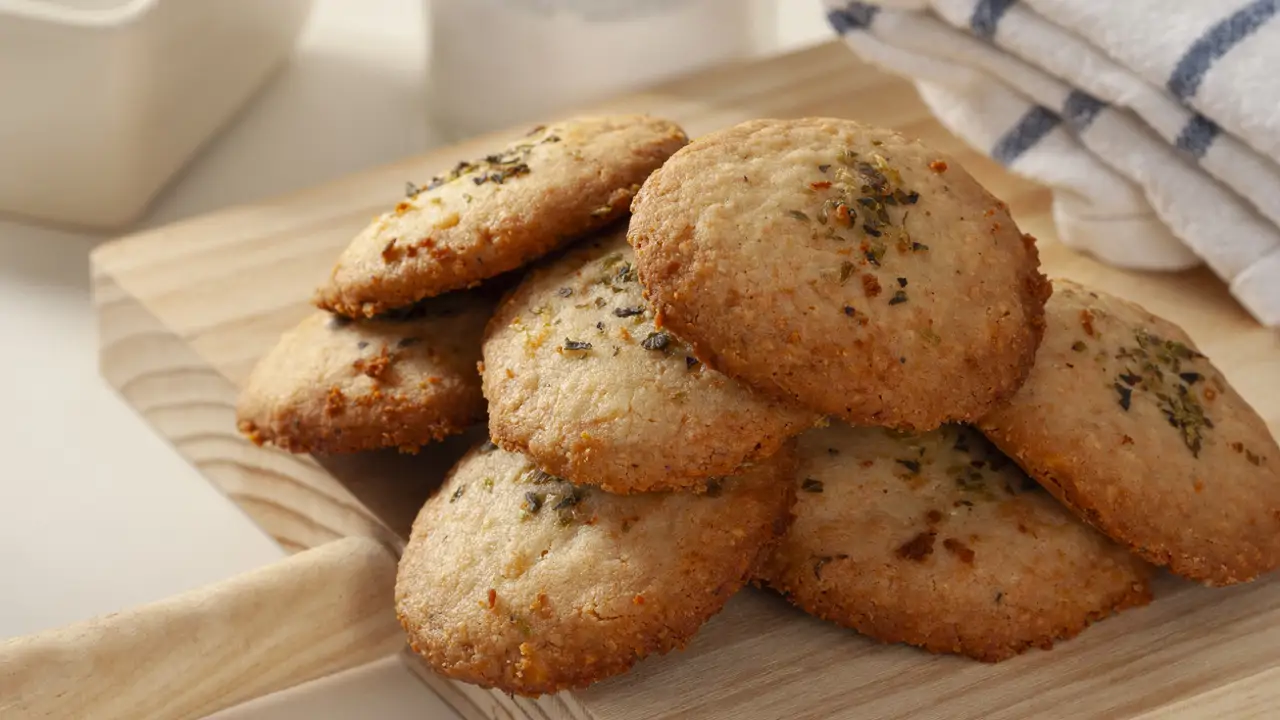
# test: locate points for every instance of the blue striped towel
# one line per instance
(1156, 123)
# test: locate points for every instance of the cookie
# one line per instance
(518, 580)
(1128, 424)
(940, 541)
(578, 377)
(494, 214)
(864, 275)
(334, 385)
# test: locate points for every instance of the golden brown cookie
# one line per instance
(578, 377)
(1129, 425)
(940, 541)
(844, 266)
(335, 385)
(497, 213)
(517, 580)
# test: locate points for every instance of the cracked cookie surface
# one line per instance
(842, 266)
(518, 580)
(1127, 423)
(578, 377)
(334, 385)
(940, 541)
(493, 214)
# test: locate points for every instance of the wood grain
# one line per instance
(310, 615)
(186, 310)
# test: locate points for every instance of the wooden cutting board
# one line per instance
(186, 310)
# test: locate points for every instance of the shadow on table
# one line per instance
(394, 485)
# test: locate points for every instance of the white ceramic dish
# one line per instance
(103, 101)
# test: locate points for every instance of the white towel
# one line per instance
(1157, 124)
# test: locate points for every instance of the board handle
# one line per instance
(313, 614)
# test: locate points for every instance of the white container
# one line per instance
(495, 63)
(103, 101)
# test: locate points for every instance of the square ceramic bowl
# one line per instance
(103, 101)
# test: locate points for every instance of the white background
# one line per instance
(97, 513)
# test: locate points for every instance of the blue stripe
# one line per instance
(1191, 69)
(1197, 135)
(855, 16)
(1080, 109)
(1034, 125)
(986, 16)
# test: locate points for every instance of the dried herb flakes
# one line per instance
(658, 340)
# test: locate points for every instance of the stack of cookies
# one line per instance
(815, 356)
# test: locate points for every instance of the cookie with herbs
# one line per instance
(578, 377)
(518, 580)
(335, 385)
(492, 214)
(940, 541)
(862, 274)
(1126, 422)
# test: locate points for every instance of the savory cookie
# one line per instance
(865, 275)
(336, 385)
(494, 214)
(578, 378)
(940, 541)
(1130, 426)
(518, 580)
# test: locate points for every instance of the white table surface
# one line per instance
(97, 513)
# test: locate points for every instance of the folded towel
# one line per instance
(1156, 124)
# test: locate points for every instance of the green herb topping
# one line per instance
(568, 500)
(539, 477)
(656, 341)
(626, 273)
(846, 270)
(1155, 366)
(1126, 395)
(861, 189)
(497, 168)
(533, 502)
(874, 253)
